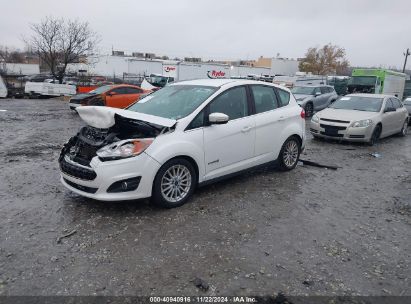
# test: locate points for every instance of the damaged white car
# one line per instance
(186, 134)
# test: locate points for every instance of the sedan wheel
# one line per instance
(375, 136)
(174, 183)
(404, 130)
(289, 154)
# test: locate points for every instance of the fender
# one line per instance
(189, 144)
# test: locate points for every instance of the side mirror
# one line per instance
(317, 94)
(218, 118)
(389, 110)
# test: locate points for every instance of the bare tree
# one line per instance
(328, 59)
(60, 42)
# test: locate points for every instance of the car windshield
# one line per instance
(173, 102)
(358, 103)
(407, 102)
(101, 90)
(303, 90)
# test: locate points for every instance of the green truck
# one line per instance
(377, 81)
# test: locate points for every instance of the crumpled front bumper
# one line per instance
(109, 172)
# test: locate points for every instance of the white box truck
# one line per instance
(377, 81)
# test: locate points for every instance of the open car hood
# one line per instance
(103, 117)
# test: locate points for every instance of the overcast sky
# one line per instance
(373, 32)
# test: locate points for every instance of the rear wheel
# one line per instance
(309, 109)
(174, 183)
(289, 154)
(375, 135)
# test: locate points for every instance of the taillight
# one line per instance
(302, 114)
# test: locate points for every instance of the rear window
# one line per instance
(265, 98)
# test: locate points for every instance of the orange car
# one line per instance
(116, 96)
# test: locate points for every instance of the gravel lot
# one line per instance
(311, 231)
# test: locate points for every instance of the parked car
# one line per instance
(361, 117)
(407, 105)
(186, 134)
(116, 96)
(314, 98)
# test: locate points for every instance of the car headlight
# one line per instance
(315, 118)
(362, 123)
(124, 149)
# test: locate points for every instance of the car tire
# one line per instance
(309, 109)
(404, 129)
(375, 135)
(289, 154)
(175, 176)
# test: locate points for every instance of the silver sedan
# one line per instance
(361, 117)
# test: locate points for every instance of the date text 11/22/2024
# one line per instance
(205, 299)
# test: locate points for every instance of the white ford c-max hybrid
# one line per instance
(186, 134)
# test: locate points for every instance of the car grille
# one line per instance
(334, 120)
(76, 171)
(81, 187)
(332, 130)
(357, 136)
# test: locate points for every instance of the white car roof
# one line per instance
(224, 81)
(370, 95)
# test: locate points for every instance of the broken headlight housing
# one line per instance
(362, 123)
(124, 149)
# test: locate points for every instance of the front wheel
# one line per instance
(174, 183)
(375, 135)
(289, 154)
(404, 130)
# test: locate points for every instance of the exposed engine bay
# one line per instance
(82, 147)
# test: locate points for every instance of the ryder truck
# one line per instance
(377, 81)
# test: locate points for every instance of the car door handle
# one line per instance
(246, 129)
(281, 118)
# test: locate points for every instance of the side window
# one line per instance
(264, 98)
(388, 104)
(119, 90)
(233, 103)
(330, 90)
(284, 97)
(197, 122)
(133, 90)
(324, 90)
(317, 90)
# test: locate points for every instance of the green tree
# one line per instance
(329, 59)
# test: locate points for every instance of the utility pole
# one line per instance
(406, 54)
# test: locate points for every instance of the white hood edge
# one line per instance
(103, 117)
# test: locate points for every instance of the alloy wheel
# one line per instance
(404, 130)
(176, 183)
(290, 155)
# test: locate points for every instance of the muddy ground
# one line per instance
(311, 231)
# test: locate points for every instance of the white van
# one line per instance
(3, 89)
(37, 89)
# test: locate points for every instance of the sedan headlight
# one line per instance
(315, 118)
(362, 123)
(124, 149)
